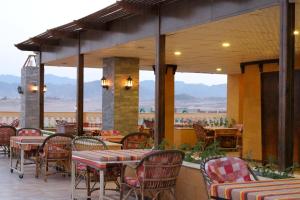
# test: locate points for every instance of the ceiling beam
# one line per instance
(90, 26)
(63, 34)
(136, 8)
(45, 41)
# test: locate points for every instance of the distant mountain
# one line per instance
(10, 79)
(65, 88)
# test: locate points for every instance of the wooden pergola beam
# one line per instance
(80, 89)
(41, 91)
(136, 8)
(160, 42)
(45, 41)
(286, 85)
(63, 34)
(90, 26)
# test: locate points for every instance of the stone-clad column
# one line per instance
(30, 112)
(120, 106)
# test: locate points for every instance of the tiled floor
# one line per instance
(30, 188)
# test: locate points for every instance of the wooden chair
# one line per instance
(156, 173)
(55, 149)
(203, 135)
(135, 141)
(150, 124)
(112, 172)
(5, 133)
(220, 169)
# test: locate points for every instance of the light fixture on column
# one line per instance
(34, 87)
(104, 83)
(45, 88)
(20, 90)
(129, 83)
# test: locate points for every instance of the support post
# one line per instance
(286, 84)
(80, 89)
(160, 40)
(41, 92)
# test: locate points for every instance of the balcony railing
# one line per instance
(96, 117)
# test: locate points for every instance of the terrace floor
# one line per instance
(30, 188)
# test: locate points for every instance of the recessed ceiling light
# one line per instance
(177, 53)
(219, 69)
(296, 32)
(225, 44)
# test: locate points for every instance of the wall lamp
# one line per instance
(20, 90)
(35, 88)
(129, 83)
(104, 83)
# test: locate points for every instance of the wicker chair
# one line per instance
(220, 169)
(15, 123)
(112, 173)
(135, 141)
(203, 135)
(156, 173)
(5, 133)
(150, 124)
(55, 149)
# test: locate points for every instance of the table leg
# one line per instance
(10, 160)
(72, 180)
(22, 163)
(101, 177)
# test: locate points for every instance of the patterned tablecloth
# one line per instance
(28, 142)
(98, 159)
(285, 189)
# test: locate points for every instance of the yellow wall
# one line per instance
(184, 136)
(234, 97)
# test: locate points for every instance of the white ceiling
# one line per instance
(253, 36)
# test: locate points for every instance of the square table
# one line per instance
(23, 143)
(282, 189)
(99, 159)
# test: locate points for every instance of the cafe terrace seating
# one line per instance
(135, 141)
(112, 173)
(32, 151)
(220, 169)
(203, 135)
(155, 173)
(5, 133)
(55, 149)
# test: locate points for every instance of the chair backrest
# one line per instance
(135, 141)
(15, 123)
(220, 169)
(150, 124)
(110, 132)
(29, 132)
(88, 143)
(57, 141)
(159, 169)
(5, 133)
(200, 132)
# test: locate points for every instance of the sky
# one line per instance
(21, 20)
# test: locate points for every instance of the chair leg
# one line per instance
(172, 192)
(46, 171)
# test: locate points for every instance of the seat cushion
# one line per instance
(132, 181)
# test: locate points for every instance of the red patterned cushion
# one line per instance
(29, 132)
(110, 132)
(132, 181)
(227, 169)
(15, 123)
